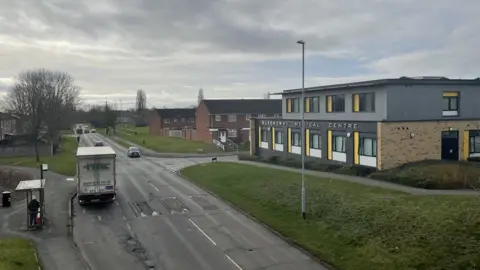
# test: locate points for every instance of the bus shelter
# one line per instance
(34, 189)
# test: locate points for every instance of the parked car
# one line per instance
(99, 143)
(133, 152)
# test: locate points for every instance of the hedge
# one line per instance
(340, 168)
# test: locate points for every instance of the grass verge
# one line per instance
(17, 254)
(62, 163)
(163, 144)
(352, 226)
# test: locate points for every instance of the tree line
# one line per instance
(45, 101)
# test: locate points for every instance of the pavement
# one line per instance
(55, 248)
(162, 221)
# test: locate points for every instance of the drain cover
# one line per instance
(174, 206)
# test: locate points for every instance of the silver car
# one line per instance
(133, 152)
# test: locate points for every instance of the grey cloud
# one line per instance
(176, 47)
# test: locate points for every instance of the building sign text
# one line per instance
(308, 124)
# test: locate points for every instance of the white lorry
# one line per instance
(96, 174)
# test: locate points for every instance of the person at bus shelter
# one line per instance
(33, 207)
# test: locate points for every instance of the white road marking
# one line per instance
(124, 218)
(154, 187)
(213, 242)
(233, 262)
(84, 210)
(99, 218)
(117, 203)
(154, 213)
(142, 214)
(70, 179)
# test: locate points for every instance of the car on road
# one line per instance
(99, 143)
(86, 131)
(93, 131)
(133, 152)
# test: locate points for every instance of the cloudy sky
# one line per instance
(234, 48)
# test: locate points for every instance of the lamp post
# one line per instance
(302, 141)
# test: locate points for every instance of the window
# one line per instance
(218, 118)
(296, 139)
(166, 121)
(264, 136)
(364, 102)
(315, 141)
(368, 147)
(182, 120)
(312, 104)
(191, 120)
(293, 105)
(338, 144)
(474, 142)
(232, 133)
(336, 103)
(232, 118)
(276, 115)
(450, 104)
(175, 120)
(279, 137)
(248, 116)
(261, 115)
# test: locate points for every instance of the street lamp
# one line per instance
(303, 129)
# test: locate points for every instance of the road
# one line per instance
(161, 221)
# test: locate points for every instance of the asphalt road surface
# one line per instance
(161, 221)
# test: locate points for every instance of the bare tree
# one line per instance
(61, 101)
(26, 99)
(200, 96)
(43, 98)
(141, 102)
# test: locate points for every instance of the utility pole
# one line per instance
(303, 140)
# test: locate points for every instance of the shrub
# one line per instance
(434, 174)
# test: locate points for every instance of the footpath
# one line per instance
(177, 166)
(54, 247)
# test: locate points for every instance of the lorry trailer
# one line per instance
(96, 177)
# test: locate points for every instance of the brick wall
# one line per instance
(396, 146)
(202, 124)
(155, 124)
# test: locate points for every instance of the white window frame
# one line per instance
(232, 133)
(248, 116)
(232, 118)
(218, 118)
(166, 121)
(276, 115)
(191, 120)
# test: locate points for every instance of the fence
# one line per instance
(25, 150)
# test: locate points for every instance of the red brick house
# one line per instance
(223, 119)
(172, 122)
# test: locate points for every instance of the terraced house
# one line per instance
(379, 123)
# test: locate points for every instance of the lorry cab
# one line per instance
(96, 174)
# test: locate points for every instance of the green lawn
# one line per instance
(17, 254)
(62, 163)
(352, 226)
(163, 144)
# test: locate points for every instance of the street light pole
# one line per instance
(303, 140)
